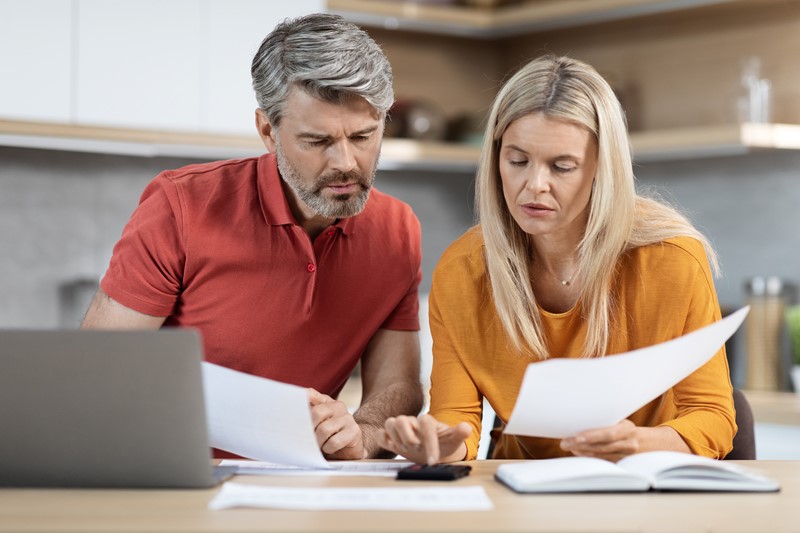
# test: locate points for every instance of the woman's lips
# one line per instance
(536, 210)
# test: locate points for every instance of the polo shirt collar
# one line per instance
(274, 204)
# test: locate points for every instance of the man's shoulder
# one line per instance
(380, 203)
(387, 211)
(199, 172)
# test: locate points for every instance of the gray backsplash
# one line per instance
(62, 212)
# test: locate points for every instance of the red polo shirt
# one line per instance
(215, 247)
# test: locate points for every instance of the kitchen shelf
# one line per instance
(397, 154)
(519, 19)
(123, 141)
(713, 141)
(775, 407)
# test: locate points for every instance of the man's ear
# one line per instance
(265, 130)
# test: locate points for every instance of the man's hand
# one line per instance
(338, 434)
(425, 440)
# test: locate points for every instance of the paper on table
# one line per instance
(472, 498)
(334, 468)
(259, 418)
(562, 397)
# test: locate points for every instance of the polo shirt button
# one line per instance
(330, 232)
(311, 267)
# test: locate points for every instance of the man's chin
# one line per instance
(343, 206)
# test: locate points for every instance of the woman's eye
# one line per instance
(563, 170)
(517, 163)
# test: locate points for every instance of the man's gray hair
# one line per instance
(328, 57)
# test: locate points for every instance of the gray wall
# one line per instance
(61, 213)
(749, 206)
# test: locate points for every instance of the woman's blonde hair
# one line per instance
(619, 219)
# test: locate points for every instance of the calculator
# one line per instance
(439, 472)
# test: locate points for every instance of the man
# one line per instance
(291, 265)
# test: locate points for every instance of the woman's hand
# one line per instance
(625, 438)
(425, 440)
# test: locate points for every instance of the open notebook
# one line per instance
(103, 409)
(660, 470)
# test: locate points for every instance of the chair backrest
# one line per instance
(744, 443)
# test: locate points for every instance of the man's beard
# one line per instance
(336, 206)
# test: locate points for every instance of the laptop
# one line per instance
(104, 409)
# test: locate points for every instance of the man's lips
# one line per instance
(344, 188)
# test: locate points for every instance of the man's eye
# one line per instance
(316, 143)
(360, 138)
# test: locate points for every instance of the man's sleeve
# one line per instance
(146, 269)
(405, 316)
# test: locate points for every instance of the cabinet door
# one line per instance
(236, 29)
(35, 62)
(139, 63)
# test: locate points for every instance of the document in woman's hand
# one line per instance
(661, 470)
(575, 391)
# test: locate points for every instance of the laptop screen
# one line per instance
(103, 409)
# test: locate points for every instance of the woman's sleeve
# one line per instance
(454, 396)
(706, 417)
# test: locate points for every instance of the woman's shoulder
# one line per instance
(681, 247)
(672, 256)
(466, 251)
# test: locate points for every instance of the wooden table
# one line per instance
(83, 510)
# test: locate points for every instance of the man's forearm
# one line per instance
(401, 398)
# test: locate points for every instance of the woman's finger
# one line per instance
(430, 438)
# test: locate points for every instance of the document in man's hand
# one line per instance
(561, 397)
(259, 418)
(660, 470)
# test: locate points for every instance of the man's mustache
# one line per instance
(344, 177)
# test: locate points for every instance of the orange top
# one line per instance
(666, 290)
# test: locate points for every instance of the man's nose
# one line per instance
(342, 157)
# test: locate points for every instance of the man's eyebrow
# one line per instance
(311, 135)
(322, 136)
(365, 131)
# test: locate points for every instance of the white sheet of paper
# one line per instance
(259, 418)
(472, 498)
(562, 397)
(335, 468)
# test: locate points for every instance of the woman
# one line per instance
(568, 261)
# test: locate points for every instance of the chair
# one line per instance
(744, 443)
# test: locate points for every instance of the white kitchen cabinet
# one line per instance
(236, 29)
(139, 64)
(36, 60)
(181, 65)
